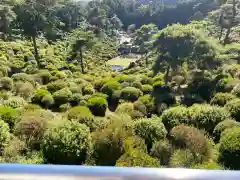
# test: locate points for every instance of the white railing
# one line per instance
(55, 172)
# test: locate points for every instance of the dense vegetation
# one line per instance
(178, 105)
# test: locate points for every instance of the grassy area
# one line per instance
(120, 61)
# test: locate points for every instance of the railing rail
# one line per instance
(56, 172)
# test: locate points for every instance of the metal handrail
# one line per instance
(45, 172)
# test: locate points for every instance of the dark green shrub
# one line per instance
(137, 85)
(221, 99)
(25, 90)
(75, 99)
(206, 117)
(236, 90)
(130, 94)
(47, 101)
(148, 101)
(56, 85)
(124, 85)
(147, 89)
(234, 108)
(6, 83)
(45, 76)
(9, 115)
(109, 142)
(98, 106)
(4, 133)
(31, 128)
(81, 114)
(150, 131)
(146, 80)
(69, 143)
(229, 148)
(222, 126)
(162, 150)
(137, 158)
(62, 96)
(88, 90)
(175, 116)
(110, 87)
(64, 107)
(22, 77)
(40, 93)
(191, 138)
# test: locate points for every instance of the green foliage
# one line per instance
(234, 108)
(222, 126)
(130, 94)
(110, 87)
(98, 106)
(162, 150)
(207, 117)
(9, 115)
(14, 102)
(68, 143)
(6, 83)
(229, 148)
(47, 100)
(40, 93)
(4, 133)
(62, 96)
(150, 130)
(147, 89)
(175, 116)
(221, 99)
(56, 85)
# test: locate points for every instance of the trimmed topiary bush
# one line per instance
(234, 108)
(147, 89)
(68, 143)
(6, 83)
(24, 90)
(148, 101)
(40, 93)
(14, 102)
(221, 99)
(191, 138)
(206, 117)
(76, 99)
(47, 101)
(146, 80)
(98, 106)
(23, 77)
(130, 94)
(110, 87)
(236, 90)
(229, 148)
(88, 90)
(62, 96)
(125, 108)
(137, 85)
(150, 131)
(162, 150)
(222, 126)
(175, 116)
(56, 85)
(9, 115)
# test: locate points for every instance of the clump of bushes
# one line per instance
(110, 87)
(14, 102)
(62, 96)
(234, 108)
(150, 130)
(175, 116)
(130, 94)
(147, 89)
(4, 133)
(9, 115)
(68, 143)
(222, 126)
(221, 99)
(98, 105)
(39, 94)
(229, 148)
(47, 100)
(6, 83)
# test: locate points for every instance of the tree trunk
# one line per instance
(35, 49)
(220, 35)
(227, 36)
(81, 60)
(146, 59)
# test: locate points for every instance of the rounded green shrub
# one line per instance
(6, 83)
(137, 85)
(110, 87)
(221, 99)
(147, 89)
(205, 116)
(148, 101)
(44, 76)
(9, 115)
(130, 94)
(39, 94)
(56, 85)
(125, 108)
(146, 80)
(236, 90)
(191, 138)
(234, 108)
(162, 150)
(98, 106)
(25, 90)
(64, 107)
(68, 143)
(222, 126)
(150, 130)
(88, 90)
(47, 101)
(22, 77)
(75, 99)
(229, 148)
(140, 107)
(175, 116)
(62, 96)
